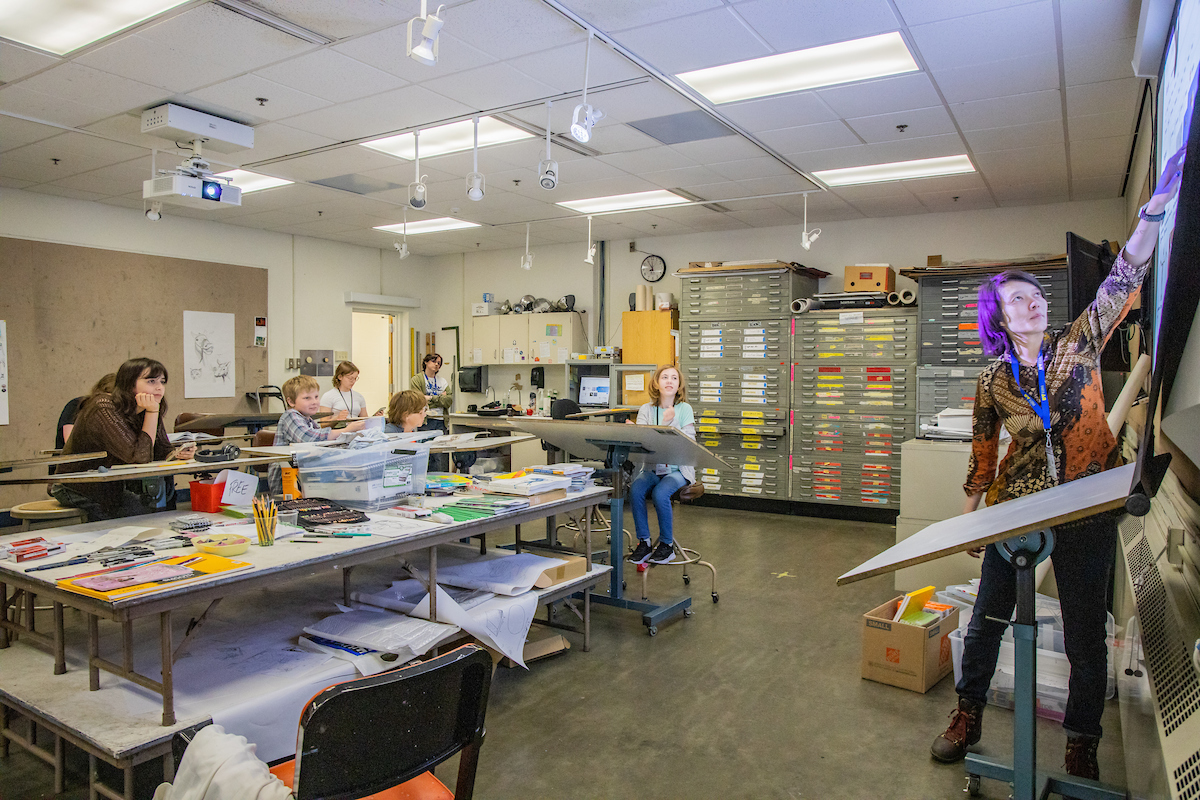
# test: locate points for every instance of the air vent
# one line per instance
(1167, 656)
(358, 184)
(1130, 528)
(164, 184)
(1187, 778)
(688, 126)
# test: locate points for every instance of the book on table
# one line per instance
(117, 583)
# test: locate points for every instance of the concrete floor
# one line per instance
(758, 696)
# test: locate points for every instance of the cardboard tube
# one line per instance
(642, 303)
(799, 306)
(908, 297)
(1129, 392)
(893, 298)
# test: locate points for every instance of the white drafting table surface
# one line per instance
(666, 445)
(1066, 502)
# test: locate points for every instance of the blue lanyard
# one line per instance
(431, 386)
(1040, 404)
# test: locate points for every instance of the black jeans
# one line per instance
(1083, 564)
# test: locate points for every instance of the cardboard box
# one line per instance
(870, 278)
(484, 309)
(903, 655)
(572, 567)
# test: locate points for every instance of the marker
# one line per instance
(303, 541)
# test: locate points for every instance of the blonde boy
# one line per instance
(302, 394)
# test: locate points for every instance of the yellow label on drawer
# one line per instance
(706, 428)
(746, 446)
(752, 466)
(710, 420)
(749, 430)
(751, 438)
(710, 444)
(708, 471)
(758, 414)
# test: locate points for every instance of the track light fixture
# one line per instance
(426, 50)
(416, 189)
(154, 212)
(584, 116)
(807, 237)
(402, 248)
(475, 180)
(590, 258)
(527, 259)
(548, 167)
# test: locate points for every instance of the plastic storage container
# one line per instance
(368, 479)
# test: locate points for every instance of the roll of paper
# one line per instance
(893, 298)
(798, 305)
(908, 297)
(662, 301)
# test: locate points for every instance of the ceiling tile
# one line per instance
(1029, 164)
(1015, 136)
(945, 183)
(1091, 64)
(1098, 126)
(492, 86)
(80, 95)
(798, 141)
(1021, 30)
(898, 206)
(123, 202)
(116, 179)
(511, 28)
(917, 12)
(872, 191)
(642, 101)
(404, 173)
(771, 218)
(654, 159)
(171, 55)
(1093, 158)
(1001, 112)
(562, 67)
(14, 183)
(386, 50)
(919, 122)
(17, 132)
(16, 62)
(687, 176)
(380, 115)
(29, 171)
(783, 111)
(881, 96)
(614, 137)
(956, 200)
(241, 95)
(63, 191)
(332, 76)
(275, 139)
(342, 161)
(744, 169)
(1031, 193)
(337, 20)
(727, 148)
(884, 152)
(1030, 73)
(616, 15)
(780, 24)
(702, 40)
(1098, 21)
(1098, 188)
(1107, 97)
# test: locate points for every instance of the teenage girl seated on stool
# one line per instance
(666, 407)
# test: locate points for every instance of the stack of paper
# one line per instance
(528, 485)
(579, 474)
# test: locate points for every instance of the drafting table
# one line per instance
(151, 470)
(616, 443)
(606, 412)
(54, 458)
(251, 421)
(271, 565)
(1023, 531)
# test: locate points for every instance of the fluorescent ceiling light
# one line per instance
(60, 26)
(450, 138)
(429, 226)
(843, 62)
(896, 171)
(252, 181)
(622, 202)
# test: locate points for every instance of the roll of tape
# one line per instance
(893, 298)
(908, 297)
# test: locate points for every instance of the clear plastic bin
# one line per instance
(368, 479)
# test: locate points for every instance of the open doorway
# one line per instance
(372, 350)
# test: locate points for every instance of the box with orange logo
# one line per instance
(909, 656)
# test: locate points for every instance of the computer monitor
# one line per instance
(593, 391)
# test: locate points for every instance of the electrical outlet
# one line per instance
(633, 247)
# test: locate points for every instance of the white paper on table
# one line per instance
(408, 637)
(405, 595)
(391, 527)
(122, 536)
(502, 573)
(239, 487)
(501, 623)
(371, 423)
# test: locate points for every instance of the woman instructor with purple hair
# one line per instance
(1044, 388)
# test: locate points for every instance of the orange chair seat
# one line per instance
(423, 787)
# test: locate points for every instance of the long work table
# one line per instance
(270, 566)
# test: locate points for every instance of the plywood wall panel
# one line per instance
(75, 313)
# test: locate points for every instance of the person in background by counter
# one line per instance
(342, 401)
(127, 424)
(441, 397)
(66, 420)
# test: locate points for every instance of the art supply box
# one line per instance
(368, 479)
(903, 655)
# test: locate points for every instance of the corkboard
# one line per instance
(76, 313)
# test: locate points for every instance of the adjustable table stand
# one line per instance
(617, 443)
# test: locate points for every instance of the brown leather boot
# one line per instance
(1081, 757)
(966, 726)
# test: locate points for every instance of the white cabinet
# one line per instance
(554, 337)
(485, 340)
(514, 339)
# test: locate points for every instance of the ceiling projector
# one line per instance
(192, 191)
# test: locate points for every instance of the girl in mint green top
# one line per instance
(667, 393)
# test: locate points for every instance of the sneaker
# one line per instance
(966, 726)
(663, 554)
(1081, 757)
(640, 553)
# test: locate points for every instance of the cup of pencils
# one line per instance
(265, 518)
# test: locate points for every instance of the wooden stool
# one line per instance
(46, 511)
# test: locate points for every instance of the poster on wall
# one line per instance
(3, 374)
(208, 354)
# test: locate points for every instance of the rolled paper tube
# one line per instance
(1120, 408)
(893, 298)
(814, 303)
(799, 305)
(908, 297)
